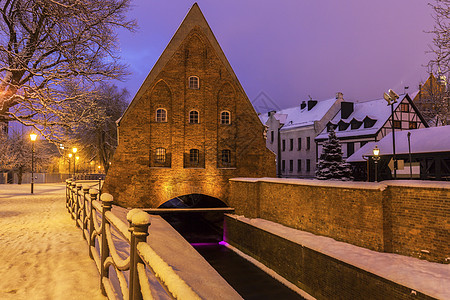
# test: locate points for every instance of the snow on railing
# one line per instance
(100, 227)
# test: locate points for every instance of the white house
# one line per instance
(291, 133)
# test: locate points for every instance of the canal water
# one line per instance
(205, 233)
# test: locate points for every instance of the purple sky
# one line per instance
(290, 49)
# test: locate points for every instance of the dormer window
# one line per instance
(368, 122)
(330, 126)
(161, 115)
(194, 117)
(342, 125)
(225, 118)
(194, 83)
(355, 124)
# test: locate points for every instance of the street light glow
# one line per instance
(70, 154)
(376, 151)
(74, 150)
(77, 157)
(33, 136)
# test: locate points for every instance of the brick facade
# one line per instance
(138, 177)
(408, 218)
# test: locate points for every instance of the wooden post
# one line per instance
(79, 186)
(93, 194)
(140, 221)
(107, 200)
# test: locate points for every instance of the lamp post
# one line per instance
(76, 158)
(391, 99)
(33, 137)
(70, 156)
(74, 150)
(376, 157)
(409, 154)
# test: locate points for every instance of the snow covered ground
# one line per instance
(42, 252)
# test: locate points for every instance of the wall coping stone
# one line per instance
(316, 182)
(445, 185)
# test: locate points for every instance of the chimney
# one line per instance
(339, 95)
(311, 104)
(303, 105)
(271, 113)
(346, 109)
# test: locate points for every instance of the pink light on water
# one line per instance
(223, 243)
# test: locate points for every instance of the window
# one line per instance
(194, 155)
(283, 165)
(299, 165)
(161, 115)
(350, 148)
(193, 117)
(342, 125)
(194, 83)
(271, 136)
(283, 145)
(308, 165)
(397, 124)
(308, 143)
(299, 142)
(225, 118)
(226, 157)
(354, 124)
(291, 165)
(291, 144)
(160, 155)
(412, 125)
(404, 107)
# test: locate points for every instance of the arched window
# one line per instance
(226, 157)
(194, 155)
(160, 155)
(161, 115)
(194, 117)
(194, 83)
(225, 118)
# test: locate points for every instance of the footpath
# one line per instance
(42, 252)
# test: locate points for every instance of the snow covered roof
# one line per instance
(424, 140)
(296, 117)
(377, 110)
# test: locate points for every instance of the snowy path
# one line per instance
(42, 252)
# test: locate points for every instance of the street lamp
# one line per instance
(376, 158)
(391, 99)
(74, 150)
(70, 156)
(33, 137)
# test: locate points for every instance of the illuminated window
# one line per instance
(160, 155)
(194, 155)
(225, 118)
(194, 83)
(412, 125)
(226, 157)
(397, 124)
(161, 115)
(404, 107)
(193, 117)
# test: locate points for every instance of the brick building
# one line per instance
(189, 128)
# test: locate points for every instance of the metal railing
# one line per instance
(100, 226)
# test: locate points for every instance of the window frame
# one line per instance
(299, 143)
(158, 117)
(192, 118)
(160, 155)
(414, 123)
(194, 82)
(225, 153)
(308, 143)
(194, 156)
(299, 165)
(223, 120)
(283, 145)
(404, 105)
(397, 124)
(308, 165)
(291, 144)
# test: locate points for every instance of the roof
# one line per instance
(374, 109)
(294, 117)
(424, 140)
(193, 19)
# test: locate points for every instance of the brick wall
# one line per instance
(318, 274)
(408, 218)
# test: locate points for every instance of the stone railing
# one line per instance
(109, 238)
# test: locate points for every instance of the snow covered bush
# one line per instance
(330, 164)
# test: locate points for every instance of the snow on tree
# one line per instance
(47, 45)
(331, 165)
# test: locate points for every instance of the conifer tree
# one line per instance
(331, 165)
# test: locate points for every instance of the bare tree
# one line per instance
(98, 138)
(433, 100)
(46, 45)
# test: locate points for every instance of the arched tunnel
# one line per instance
(196, 227)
